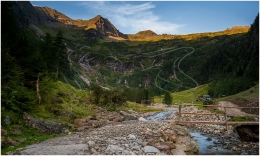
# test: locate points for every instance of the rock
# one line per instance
(177, 152)
(13, 142)
(217, 142)
(244, 153)
(209, 147)
(215, 148)
(162, 147)
(150, 149)
(123, 113)
(114, 148)
(129, 117)
(173, 138)
(141, 119)
(131, 137)
(93, 150)
(3, 132)
(91, 143)
(7, 120)
(43, 126)
(234, 148)
(68, 114)
(22, 140)
(137, 148)
(209, 139)
(113, 142)
(16, 132)
(79, 122)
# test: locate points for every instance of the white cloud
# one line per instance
(132, 17)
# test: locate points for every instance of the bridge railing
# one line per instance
(226, 122)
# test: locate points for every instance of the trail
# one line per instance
(151, 54)
(233, 111)
(174, 70)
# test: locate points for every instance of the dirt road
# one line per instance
(232, 111)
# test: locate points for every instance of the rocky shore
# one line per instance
(124, 138)
(225, 139)
(129, 133)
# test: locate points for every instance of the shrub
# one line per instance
(207, 102)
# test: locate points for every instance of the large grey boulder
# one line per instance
(43, 126)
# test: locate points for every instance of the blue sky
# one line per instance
(171, 17)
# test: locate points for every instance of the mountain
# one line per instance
(38, 16)
(218, 55)
(146, 33)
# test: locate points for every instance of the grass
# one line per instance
(69, 99)
(185, 96)
(242, 118)
(247, 94)
(140, 108)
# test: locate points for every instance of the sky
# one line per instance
(162, 17)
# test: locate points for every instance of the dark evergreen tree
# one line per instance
(167, 98)
(59, 48)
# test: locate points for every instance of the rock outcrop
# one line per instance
(43, 126)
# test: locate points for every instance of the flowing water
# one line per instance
(160, 115)
(210, 146)
(207, 146)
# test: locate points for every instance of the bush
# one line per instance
(207, 102)
(107, 99)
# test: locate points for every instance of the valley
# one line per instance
(83, 87)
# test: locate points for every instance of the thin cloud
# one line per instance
(132, 17)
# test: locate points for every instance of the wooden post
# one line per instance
(38, 89)
(179, 116)
(226, 118)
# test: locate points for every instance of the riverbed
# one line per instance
(207, 145)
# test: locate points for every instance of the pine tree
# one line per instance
(60, 51)
(47, 51)
(167, 98)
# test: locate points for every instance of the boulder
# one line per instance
(131, 137)
(150, 149)
(142, 119)
(43, 126)
(129, 117)
(177, 152)
(7, 120)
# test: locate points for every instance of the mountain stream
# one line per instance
(207, 146)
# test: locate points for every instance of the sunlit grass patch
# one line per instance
(140, 108)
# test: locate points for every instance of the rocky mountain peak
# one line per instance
(53, 18)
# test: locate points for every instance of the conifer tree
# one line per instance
(167, 98)
(60, 53)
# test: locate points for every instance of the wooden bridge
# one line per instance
(226, 122)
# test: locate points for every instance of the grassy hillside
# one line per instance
(189, 95)
(252, 92)
(146, 36)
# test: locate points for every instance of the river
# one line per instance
(207, 146)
